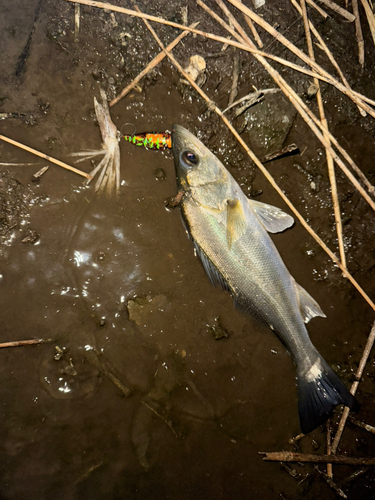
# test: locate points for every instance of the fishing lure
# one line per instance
(150, 140)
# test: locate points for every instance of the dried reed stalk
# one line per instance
(339, 10)
(330, 165)
(46, 157)
(330, 482)
(18, 343)
(355, 95)
(322, 74)
(265, 172)
(370, 17)
(354, 387)
(279, 37)
(253, 30)
(77, 16)
(317, 8)
(304, 111)
(290, 456)
(236, 74)
(362, 425)
(251, 47)
(359, 35)
(150, 66)
(329, 448)
(323, 46)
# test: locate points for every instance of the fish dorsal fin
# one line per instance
(272, 218)
(215, 276)
(308, 306)
(236, 221)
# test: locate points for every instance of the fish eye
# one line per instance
(189, 158)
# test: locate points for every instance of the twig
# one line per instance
(370, 17)
(6, 164)
(167, 422)
(38, 175)
(253, 96)
(359, 35)
(86, 474)
(329, 448)
(104, 367)
(236, 74)
(330, 165)
(330, 481)
(77, 14)
(272, 31)
(317, 8)
(281, 152)
(354, 475)
(268, 176)
(321, 73)
(150, 66)
(304, 111)
(362, 425)
(18, 343)
(46, 157)
(339, 10)
(323, 46)
(294, 439)
(253, 30)
(354, 387)
(290, 456)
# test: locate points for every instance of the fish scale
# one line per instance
(275, 305)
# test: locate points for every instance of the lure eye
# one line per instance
(189, 158)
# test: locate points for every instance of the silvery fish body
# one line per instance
(230, 234)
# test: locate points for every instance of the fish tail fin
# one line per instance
(320, 390)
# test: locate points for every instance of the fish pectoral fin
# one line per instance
(236, 221)
(308, 306)
(273, 219)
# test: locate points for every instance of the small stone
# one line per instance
(218, 331)
(31, 237)
(197, 69)
(160, 174)
(315, 444)
(312, 90)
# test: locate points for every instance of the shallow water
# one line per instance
(151, 405)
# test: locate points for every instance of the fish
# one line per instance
(230, 235)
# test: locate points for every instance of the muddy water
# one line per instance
(134, 397)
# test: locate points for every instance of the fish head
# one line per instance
(195, 165)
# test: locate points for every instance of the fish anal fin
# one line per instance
(308, 306)
(273, 218)
(236, 221)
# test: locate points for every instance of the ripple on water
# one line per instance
(70, 377)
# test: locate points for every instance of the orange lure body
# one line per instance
(150, 140)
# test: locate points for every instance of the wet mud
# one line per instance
(153, 385)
